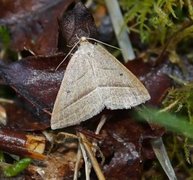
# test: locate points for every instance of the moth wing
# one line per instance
(119, 87)
(77, 99)
(94, 79)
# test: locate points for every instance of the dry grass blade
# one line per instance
(78, 158)
(94, 144)
(86, 160)
(120, 29)
(92, 158)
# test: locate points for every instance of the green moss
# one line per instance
(4, 37)
(159, 17)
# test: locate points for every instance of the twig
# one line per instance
(78, 158)
(86, 160)
(3, 100)
(169, 107)
(94, 144)
(101, 124)
(22, 144)
(98, 129)
(93, 160)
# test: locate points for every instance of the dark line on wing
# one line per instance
(81, 76)
(81, 97)
(94, 90)
(108, 68)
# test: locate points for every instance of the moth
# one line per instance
(94, 79)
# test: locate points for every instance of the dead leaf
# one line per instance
(56, 166)
(33, 24)
(21, 119)
(77, 23)
(36, 80)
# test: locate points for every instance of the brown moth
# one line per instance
(94, 79)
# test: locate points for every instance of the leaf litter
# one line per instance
(124, 143)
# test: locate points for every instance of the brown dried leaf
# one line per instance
(20, 119)
(56, 166)
(123, 146)
(155, 79)
(77, 23)
(33, 24)
(36, 80)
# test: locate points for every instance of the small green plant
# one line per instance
(5, 41)
(183, 99)
(4, 37)
(18, 167)
(170, 121)
(2, 159)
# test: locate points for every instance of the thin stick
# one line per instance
(86, 160)
(3, 100)
(78, 158)
(93, 160)
(94, 144)
(169, 107)
(98, 129)
(101, 124)
(68, 135)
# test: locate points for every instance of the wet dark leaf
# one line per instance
(123, 146)
(21, 119)
(33, 24)
(36, 80)
(155, 79)
(77, 23)
(123, 152)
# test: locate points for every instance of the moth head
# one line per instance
(83, 38)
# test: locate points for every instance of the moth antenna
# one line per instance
(103, 43)
(69, 45)
(77, 37)
(67, 54)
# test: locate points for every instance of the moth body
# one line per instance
(94, 79)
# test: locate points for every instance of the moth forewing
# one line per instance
(94, 79)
